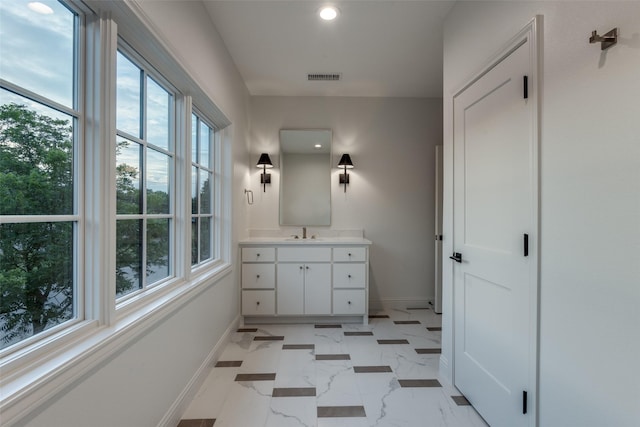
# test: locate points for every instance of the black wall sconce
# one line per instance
(265, 163)
(346, 163)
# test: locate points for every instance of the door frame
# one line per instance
(438, 247)
(533, 33)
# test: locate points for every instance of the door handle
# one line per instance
(457, 257)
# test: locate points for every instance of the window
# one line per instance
(144, 178)
(40, 210)
(78, 180)
(202, 190)
(48, 190)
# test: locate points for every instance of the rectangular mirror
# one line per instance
(305, 177)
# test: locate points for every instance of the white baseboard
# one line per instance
(174, 414)
(399, 303)
(297, 320)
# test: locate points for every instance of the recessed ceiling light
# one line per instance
(318, 146)
(41, 8)
(328, 13)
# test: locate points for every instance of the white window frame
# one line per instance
(215, 188)
(34, 373)
(174, 231)
(76, 112)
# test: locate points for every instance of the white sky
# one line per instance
(36, 50)
(37, 53)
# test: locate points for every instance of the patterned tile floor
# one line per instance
(381, 374)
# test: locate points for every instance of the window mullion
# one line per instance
(182, 199)
(130, 137)
(100, 141)
(80, 256)
(15, 219)
(143, 176)
(143, 253)
(198, 203)
(143, 105)
(26, 93)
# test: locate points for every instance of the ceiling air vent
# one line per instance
(330, 77)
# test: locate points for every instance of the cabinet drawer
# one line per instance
(258, 276)
(258, 254)
(349, 254)
(298, 254)
(258, 303)
(349, 275)
(349, 302)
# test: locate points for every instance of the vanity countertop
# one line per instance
(318, 241)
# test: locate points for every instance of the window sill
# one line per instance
(33, 378)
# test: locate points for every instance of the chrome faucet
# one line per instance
(304, 232)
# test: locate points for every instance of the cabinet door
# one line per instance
(290, 288)
(317, 289)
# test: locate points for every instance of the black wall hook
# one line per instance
(606, 41)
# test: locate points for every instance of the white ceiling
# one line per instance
(389, 48)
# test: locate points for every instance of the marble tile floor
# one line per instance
(383, 374)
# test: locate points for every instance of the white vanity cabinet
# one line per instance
(300, 281)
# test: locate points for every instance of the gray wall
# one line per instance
(589, 202)
(391, 195)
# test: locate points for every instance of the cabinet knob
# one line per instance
(300, 267)
(349, 302)
(349, 253)
(349, 276)
(258, 255)
(307, 267)
(258, 303)
(257, 276)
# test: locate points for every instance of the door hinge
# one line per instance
(526, 244)
(526, 87)
(524, 402)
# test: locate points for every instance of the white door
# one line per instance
(290, 289)
(495, 202)
(317, 289)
